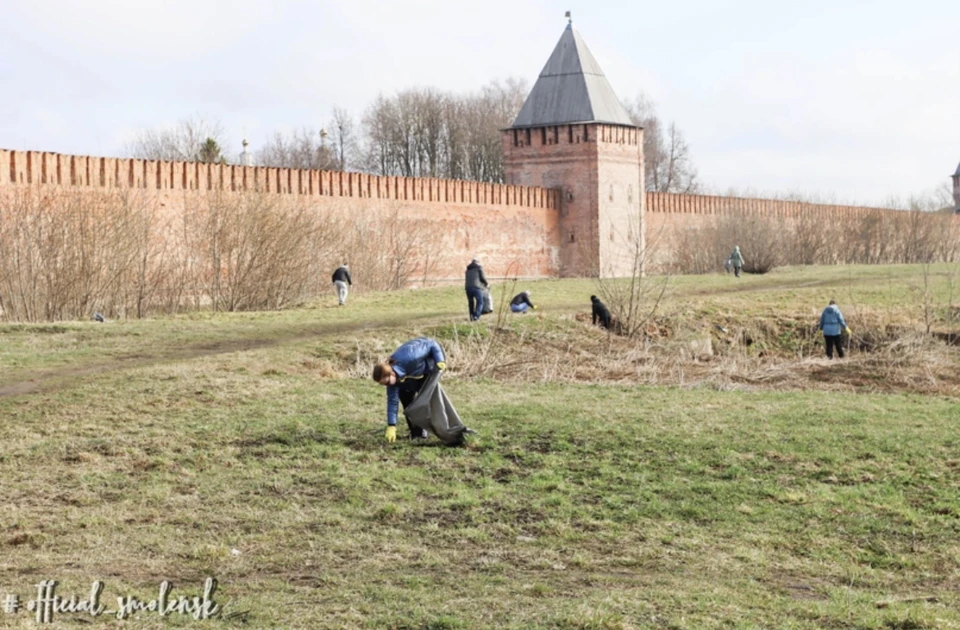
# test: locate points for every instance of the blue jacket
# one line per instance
(414, 359)
(831, 321)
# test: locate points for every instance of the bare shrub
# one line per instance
(633, 300)
(817, 236)
(388, 249)
(258, 251)
(67, 255)
(703, 248)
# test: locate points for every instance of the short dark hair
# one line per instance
(833, 302)
(379, 369)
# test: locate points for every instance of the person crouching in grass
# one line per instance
(521, 302)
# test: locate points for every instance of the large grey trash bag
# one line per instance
(487, 302)
(433, 411)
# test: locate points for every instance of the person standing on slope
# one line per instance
(833, 326)
(474, 284)
(736, 259)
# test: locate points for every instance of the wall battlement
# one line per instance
(671, 203)
(55, 169)
(535, 226)
(574, 134)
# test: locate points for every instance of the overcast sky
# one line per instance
(851, 100)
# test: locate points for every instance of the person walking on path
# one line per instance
(341, 279)
(521, 302)
(475, 283)
(736, 259)
(833, 326)
(413, 368)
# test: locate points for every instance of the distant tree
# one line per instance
(343, 137)
(183, 142)
(667, 159)
(427, 133)
(944, 197)
(303, 148)
(209, 152)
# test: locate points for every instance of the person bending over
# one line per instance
(600, 313)
(403, 374)
(521, 302)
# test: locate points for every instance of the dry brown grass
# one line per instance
(766, 354)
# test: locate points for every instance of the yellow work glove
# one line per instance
(391, 434)
(848, 331)
(534, 307)
(441, 365)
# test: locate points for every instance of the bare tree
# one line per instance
(343, 137)
(944, 198)
(182, 142)
(427, 133)
(303, 148)
(634, 298)
(667, 159)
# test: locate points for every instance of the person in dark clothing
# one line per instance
(601, 313)
(475, 283)
(521, 302)
(833, 326)
(403, 374)
(341, 279)
(736, 259)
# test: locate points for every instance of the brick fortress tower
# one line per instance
(574, 135)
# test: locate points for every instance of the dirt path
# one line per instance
(54, 380)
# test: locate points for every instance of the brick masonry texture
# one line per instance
(512, 229)
(572, 204)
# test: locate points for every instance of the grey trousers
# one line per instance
(342, 290)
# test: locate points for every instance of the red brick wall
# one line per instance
(572, 193)
(513, 229)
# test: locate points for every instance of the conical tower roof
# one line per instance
(571, 89)
(958, 170)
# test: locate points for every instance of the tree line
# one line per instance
(417, 132)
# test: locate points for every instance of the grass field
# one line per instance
(614, 483)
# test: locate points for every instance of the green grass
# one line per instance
(249, 447)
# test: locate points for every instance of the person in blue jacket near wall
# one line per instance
(833, 326)
(403, 374)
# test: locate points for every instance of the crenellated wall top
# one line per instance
(32, 168)
(673, 203)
